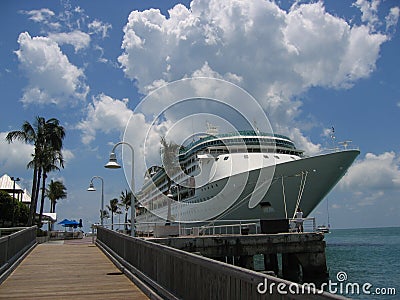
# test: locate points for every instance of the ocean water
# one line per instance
(369, 257)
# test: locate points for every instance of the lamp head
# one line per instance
(266, 207)
(169, 195)
(91, 188)
(112, 163)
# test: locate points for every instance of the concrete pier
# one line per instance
(302, 254)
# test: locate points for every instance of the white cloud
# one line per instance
(274, 54)
(104, 114)
(98, 27)
(52, 78)
(392, 18)
(40, 15)
(43, 16)
(369, 11)
(78, 39)
(107, 115)
(303, 142)
(274, 51)
(374, 172)
(68, 155)
(15, 156)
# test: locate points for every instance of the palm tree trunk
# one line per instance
(36, 197)
(126, 219)
(32, 197)
(35, 189)
(42, 199)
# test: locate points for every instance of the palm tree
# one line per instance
(55, 190)
(171, 165)
(113, 208)
(47, 137)
(50, 160)
(104, 214)
(126, 202)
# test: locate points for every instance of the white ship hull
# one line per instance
(303, 182)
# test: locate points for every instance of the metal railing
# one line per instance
(14, 245)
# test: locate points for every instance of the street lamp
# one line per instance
(92, 189)
(180, 206)
(113, 164)
(13, 215)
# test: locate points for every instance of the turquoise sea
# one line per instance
(369, 257)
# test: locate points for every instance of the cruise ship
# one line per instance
(245, 175)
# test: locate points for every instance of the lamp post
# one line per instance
(180, 208)
(113, 164)
(13, 215)
(178, 191)
(92, 189)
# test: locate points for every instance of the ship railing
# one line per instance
(227, 227)
(336, 148)
(309, 224)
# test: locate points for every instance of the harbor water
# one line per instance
(369, 257)
(361, 258)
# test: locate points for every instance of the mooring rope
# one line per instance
(284, 197)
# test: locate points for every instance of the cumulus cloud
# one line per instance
(274, 54)
(52, 78)
(278, 51)
(373, 172)
(78, 39)
(14, 157)
(105, 114)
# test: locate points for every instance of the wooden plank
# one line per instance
(72, 269)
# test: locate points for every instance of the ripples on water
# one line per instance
(366, 255)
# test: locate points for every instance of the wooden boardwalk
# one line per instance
(76, 269)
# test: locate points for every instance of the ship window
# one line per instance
(276, 156)
(265, 156)
(246, 156)
(226, 157)
(216, 158)
(293, 158)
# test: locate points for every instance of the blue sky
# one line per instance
(309, 65)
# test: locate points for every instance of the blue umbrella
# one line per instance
(69, 223)
(63, 222)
